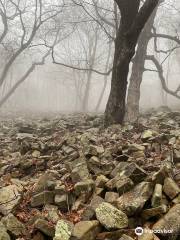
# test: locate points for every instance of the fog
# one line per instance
(55, 88)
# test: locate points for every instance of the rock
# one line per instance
(13, 225)
(79, 170)
(61, 201)
(170, 222)
(147, 235)
(46, 197)
(51, 213)
(36, 154)
(135, 148)
(87, 187)
(45, 227)
(99, 166)
(9, 199)
(176, 200)
(170, 188)
(96, 201)
(63, 230)
(113, 235)
(110, 217)
(147, 134)
(3, 233)
(152, 212)
(132, 202)
(86, 230)
(93, 150)
(60, 190)
(124, 184)
(111, 197)
(45, 182)
(88, 214)
(157, 196)
(101, 180)
(38, 236)
(126, 237)
(163, 173)
(131, 170)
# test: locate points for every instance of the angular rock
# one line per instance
(101, 180)
(157, 196)
(126, 237)
(61, 201)
(110, 217)
(152, 212)
(124, 184)
(63, 230)
(13, 225)
(86, 187)
(45, 182)
(163, 173)
(111, 197)
(170, 188)
(3, 233)
(132, 202)
(170, 222)
(9, 199)
(45, 227)
(46, 197)
(51, 212)
(86, 230)
(96, 201)
(79, 170)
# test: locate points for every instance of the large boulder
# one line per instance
(111, 217)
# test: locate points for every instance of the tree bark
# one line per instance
(136, 78)
(131, 25)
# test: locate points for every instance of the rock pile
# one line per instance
(70, 179)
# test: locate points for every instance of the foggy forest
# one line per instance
(89, 119)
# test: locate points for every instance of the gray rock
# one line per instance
(126, 237)
(110, 217)
(52, 212)
(13, 225)
(86, 230)
(124, 184)
(44, 227)
(111, 197)
(87, 187)
(3, 232)
(40, 199)
(9, 199)
(61, 201)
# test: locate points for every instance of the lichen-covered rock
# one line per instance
(111, 217)
(63, 230)
(132, 202)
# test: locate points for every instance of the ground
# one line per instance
(68, 177)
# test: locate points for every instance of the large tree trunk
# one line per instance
(131, 25)
(138, 66)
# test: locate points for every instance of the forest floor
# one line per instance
(69, 178)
